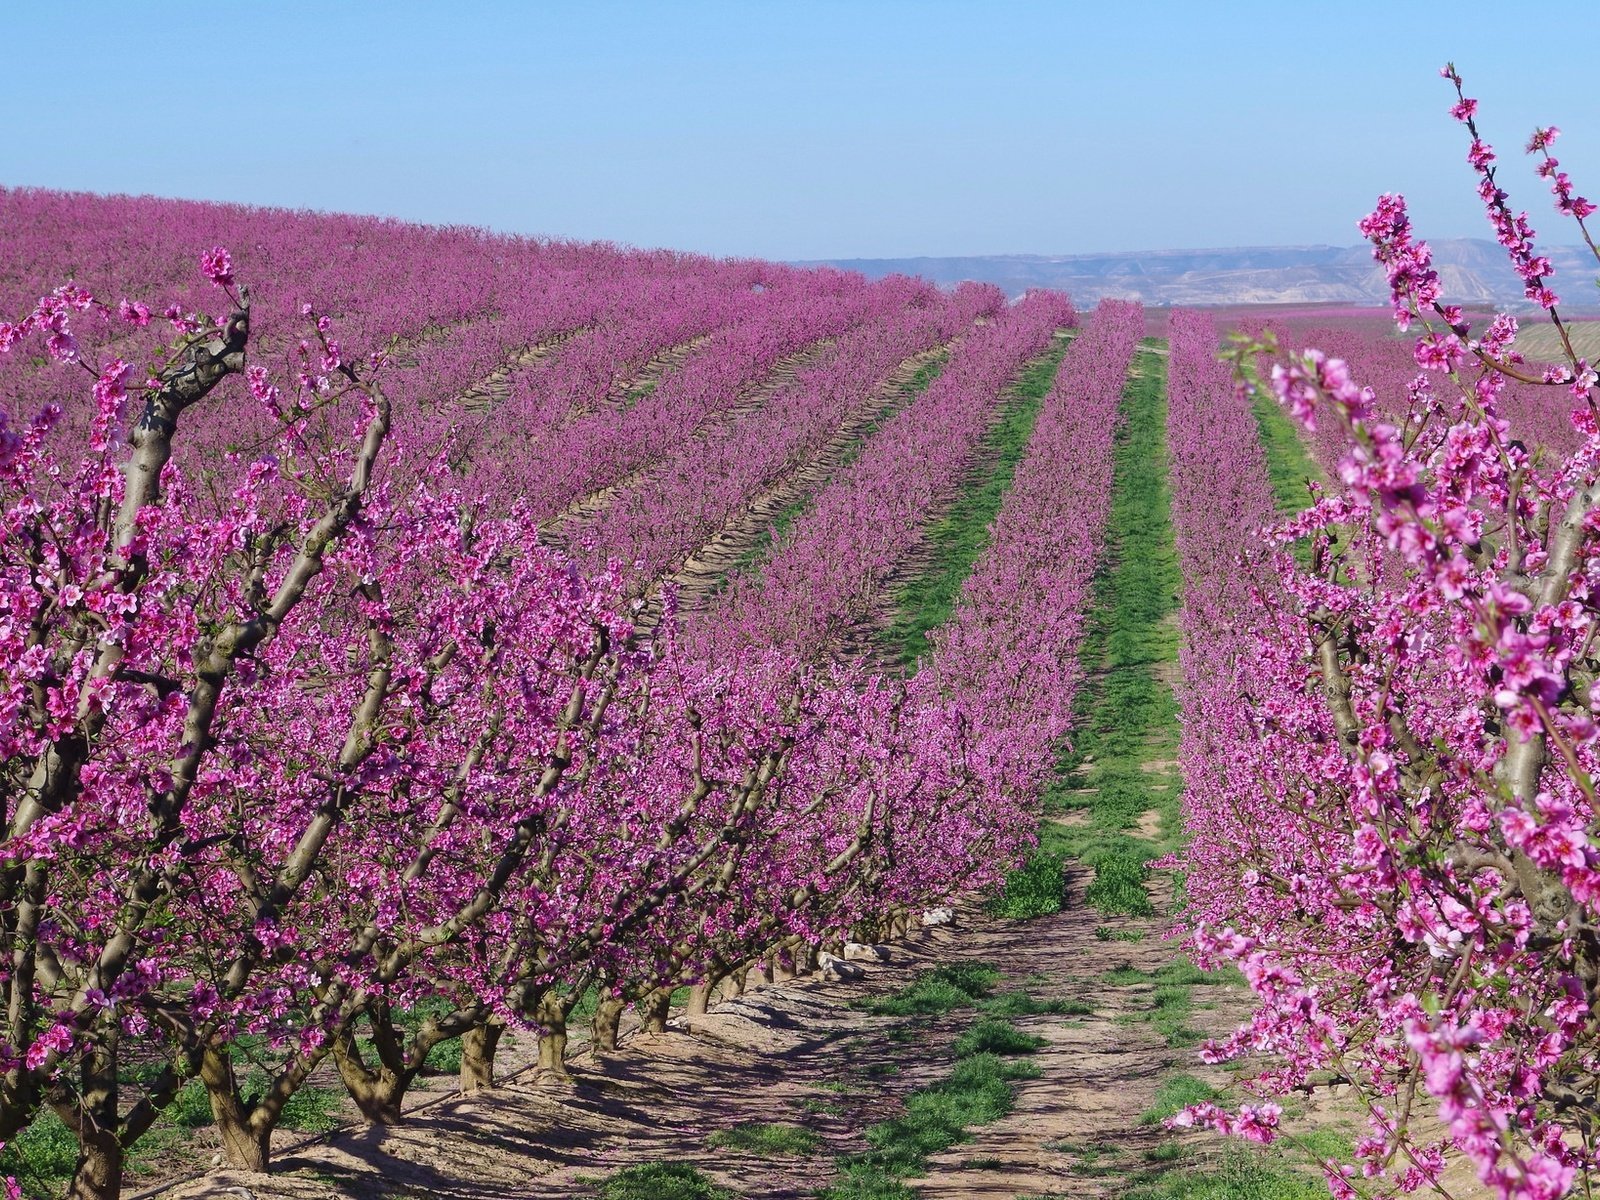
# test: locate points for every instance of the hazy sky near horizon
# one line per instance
(826, 129)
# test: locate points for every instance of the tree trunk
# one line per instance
(603, 1026)
(478, 1046)
(245, 1142)
(244, 1148)
(552, 1017)
(733, 985)
(700, 998)
(377, 1091)
(98, 1172)
(653, 1009)
(782, 964)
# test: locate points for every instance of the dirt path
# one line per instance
(495, 387)
(704, 572)
(797, 1053)
(630, 389)
(558, 529)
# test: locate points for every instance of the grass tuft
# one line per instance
(993, 1035)
(661, 1181)
(765, 1139)
(1037, 888)
(953, 985)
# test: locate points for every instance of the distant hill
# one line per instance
(1474, 272)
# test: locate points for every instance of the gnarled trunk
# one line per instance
(478, 1046)
(551, 1013)
(699, 998)
(97, 1174)
(246, 1141)
(377, 1090)
(733, 985)
(603, 1025)
(653, 1009)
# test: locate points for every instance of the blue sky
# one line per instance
(805, 130)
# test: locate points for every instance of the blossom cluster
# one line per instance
(1390, 742)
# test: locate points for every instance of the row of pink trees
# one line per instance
(825, 573)
(1391, 753)
(653, 525)
(928, 822)
(1009, 655)
(292, 748)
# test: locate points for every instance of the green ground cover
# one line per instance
(956, 540)
(1120, 765)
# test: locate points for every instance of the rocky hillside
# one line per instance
(1474, 271)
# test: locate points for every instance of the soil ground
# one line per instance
(804, 1053)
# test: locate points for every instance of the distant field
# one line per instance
(1541, 342)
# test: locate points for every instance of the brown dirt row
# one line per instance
(495, 387)
(797, 1053)
(631, 389)
(558, 529)
(704, 572)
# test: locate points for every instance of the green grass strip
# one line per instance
(1289, 463)
(1129, 711)
(958, 538)
(976, 1092)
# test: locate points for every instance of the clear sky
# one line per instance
(805, 130)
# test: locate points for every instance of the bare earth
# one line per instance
(782, 1053)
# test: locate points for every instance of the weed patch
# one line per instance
(953, 985)
(1037, 888)
(993, 1035)
(766, 1140)
(1240, 1175)
(661, 1181)
(977, 1091)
